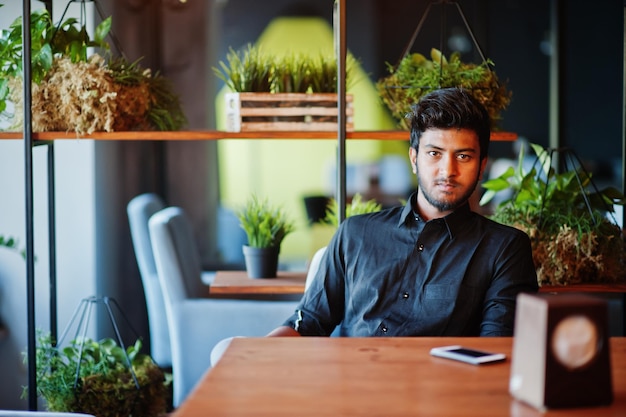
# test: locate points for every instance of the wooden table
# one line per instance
(238, 283)
(370, 377)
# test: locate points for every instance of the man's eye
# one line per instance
(433, 153)
(463, 157)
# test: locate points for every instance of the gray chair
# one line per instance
(139, 210)
(314, 265)
(219, 349)
(196, 324)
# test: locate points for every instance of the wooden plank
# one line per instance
(238, 283)
(585, 288)
(373, 376)
(285, 111)
(397, 135)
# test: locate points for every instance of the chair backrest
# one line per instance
(176, 255)
(314, 266)
(139, 210)
(198, 324)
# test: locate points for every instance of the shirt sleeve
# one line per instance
(515, 273)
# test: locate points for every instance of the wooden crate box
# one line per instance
(285, 112)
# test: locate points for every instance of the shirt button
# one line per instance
(383, 329)
(405, 295)
(420, 247)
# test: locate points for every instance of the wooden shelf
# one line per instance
(585, 288)
(217, 135)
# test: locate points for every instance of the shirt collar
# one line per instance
(453, 221)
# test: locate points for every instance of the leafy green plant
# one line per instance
(85, 84)
(253, 70)
(416, 76)
(356, 206)
(573, 239)
(10, 242)
(98, 377)
(265, 225)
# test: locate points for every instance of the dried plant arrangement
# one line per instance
(74, 91)
(574, 237)
(416, 76)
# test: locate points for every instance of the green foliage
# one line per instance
(47, 41)
(253, 70)
(573, 240)
(416, 76)
(96, 378)
(549, 202)
(265, 225)
(10, 242)
(70, 39)
(356, 206)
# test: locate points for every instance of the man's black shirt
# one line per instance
(392, 274)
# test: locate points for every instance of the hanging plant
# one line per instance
(416, 76)
(74, 91)
(573, 236)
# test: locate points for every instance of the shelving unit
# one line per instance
(39, 137)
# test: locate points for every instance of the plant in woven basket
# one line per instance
(99, 378)
(416, 76)
(568, 220)
(74, 91)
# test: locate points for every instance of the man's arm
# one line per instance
(516, 273)
(283, 331)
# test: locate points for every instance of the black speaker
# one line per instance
(561, 356)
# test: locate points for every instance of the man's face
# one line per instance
(448, 168)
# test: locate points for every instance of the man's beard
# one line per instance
(443, 206)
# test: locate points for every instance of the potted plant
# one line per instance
(292, 92)
(266, 226)
(416, 76)
(99, 378)
(568, 220)
(72, 91)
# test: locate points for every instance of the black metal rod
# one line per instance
(52, 245)
(28, 191)
(340, 50)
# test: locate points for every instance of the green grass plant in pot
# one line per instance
(255, 71)
(266, 226)
(574, 236)
(99, 378)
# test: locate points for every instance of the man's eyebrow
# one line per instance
(462, 150)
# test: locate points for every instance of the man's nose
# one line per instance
(448, 166)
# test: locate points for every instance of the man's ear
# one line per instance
(413, 159)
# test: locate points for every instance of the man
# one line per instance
(433, 267)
